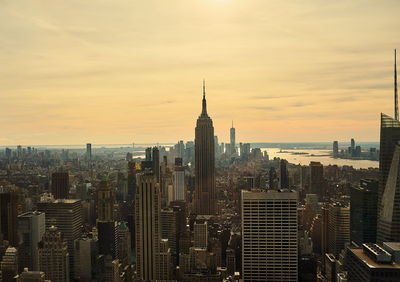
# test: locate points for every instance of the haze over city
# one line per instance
(131, 71)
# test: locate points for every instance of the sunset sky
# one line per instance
(122, 71)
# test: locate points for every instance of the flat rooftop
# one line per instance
(370, 262)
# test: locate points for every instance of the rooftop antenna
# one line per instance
(396, 103)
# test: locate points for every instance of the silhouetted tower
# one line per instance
(204, 162)
(60, 185)
(396, 104)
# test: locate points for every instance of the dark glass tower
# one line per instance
(389, 205)
(363, 211)
(204, 163)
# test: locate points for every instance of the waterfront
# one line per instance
(316, 155)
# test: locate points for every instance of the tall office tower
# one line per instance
(338, 227)
(200, 229)
(54, 256)
(230, 261)
(89, 151)
(66, 215)
(390, 136)
(132, 170)
(60, 185)
(123, 238)
(8, 216)
(216, 147)
(147, 226)
(233, 140)
(31, 227)
(105, 198)
(86, 253)
(106, 237)
(32, 276)
(156, 163)
(389, 186)
(363, 211)
(165, 259)
(389, 215)
(269, 235)
(179, 181)
(9, 264)
(180, 149)
(148, 154)
(373, 262)
(169, 226)
(204, 163)
(335, 150)
(352, 145)
(317, 180)
(283, 179)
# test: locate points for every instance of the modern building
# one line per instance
(66, 215)
(169, 224)
(200, 229)
(371, 263)
(317, 179)
(8, 216)
(156, 163)
(86, 253)
(205, 199)
(338, 227)
(284, 178)
(54, 256)
(388, 227)
(147, 226)
(31, 228)
(89, 151)
(60, 185)
(123, 240)
(105, 198)
(232, 140)
(363, 211)
(269, 235)
(9, 264)
(31, 276)
(335, 151)
(179, 180)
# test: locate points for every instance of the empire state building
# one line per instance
(204, 163)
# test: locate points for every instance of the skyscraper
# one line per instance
(335, 153)
(105, 197)
(53, 256)
(31, 227)
(317, 179)
(66, 215)
(232, 139)
(388, 215)
(283, 179)
(9, 264)
(269, 235)
(204, 162)
(147, 226)
(363, 211)
(338, 227)
(89, 151)
(60, 185)
(8, 216)
(179, 180)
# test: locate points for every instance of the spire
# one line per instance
(204, 109)
(232, 123)
(396, 103)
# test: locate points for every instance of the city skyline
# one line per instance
(132, 71)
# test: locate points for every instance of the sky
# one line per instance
(123, 71)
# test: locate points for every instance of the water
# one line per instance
(319, 155)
